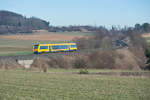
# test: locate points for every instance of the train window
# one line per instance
(55, 47)
(73, 46)
(43, 47)
(60, 47)
(64, 46)
(36, 46)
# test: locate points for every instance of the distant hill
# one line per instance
(11, 22)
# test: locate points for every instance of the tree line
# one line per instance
(143, 28)
(11, 23)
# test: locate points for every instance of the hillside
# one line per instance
(11, 22)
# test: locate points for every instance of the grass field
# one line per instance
(24, 85)
(15, 47)
(43, 35)
(148, 40)
(10, 47)
(22, 44)
(147, 37)
(59, 70)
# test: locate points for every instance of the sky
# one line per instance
(83, 12)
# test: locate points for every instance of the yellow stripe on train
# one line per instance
(54, 47)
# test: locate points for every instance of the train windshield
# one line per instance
(36, 46)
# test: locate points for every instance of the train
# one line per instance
(54, 47)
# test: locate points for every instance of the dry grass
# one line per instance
(146, 35)
(120, 59)
(57, 37)
(22, 44)
(127, 61)
(42, 35)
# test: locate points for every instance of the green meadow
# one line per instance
(26, 85)
(12, 47)
(15, 47)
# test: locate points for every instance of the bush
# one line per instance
(40, 64)
(83, 71)
(60, 62)
(147, 67)
(147, 53)
(101, 60)
(8, 64)
(80, 62)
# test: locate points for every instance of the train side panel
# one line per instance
(43, 48)
(40, 48)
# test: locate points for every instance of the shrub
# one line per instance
(100, 59)
(62, 62)
(40, 64)
(80, 62)
(8, 63)
(83, 71)
(147, 53)
(147, 67)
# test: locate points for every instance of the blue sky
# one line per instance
(83, 12)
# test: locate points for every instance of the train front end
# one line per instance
(36, 49)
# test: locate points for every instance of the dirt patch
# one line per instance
(40, 37)
(146, 35)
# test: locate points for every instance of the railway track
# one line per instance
(48, 55)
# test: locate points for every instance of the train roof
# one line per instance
(56, 43)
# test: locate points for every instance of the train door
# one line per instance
(50, 48)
